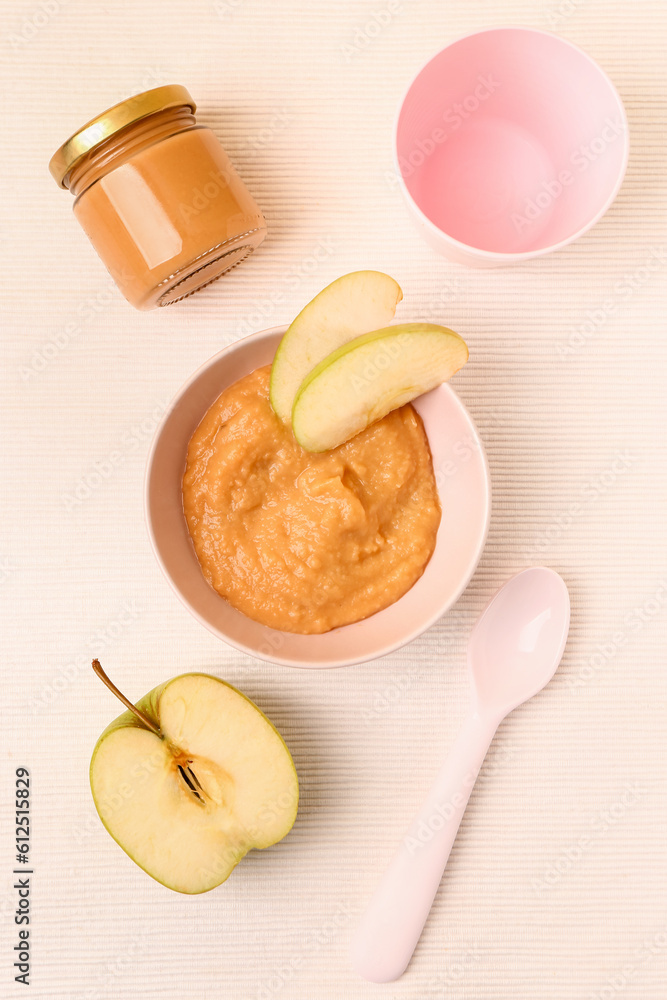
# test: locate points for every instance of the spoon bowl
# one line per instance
(518, 641)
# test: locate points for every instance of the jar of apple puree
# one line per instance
(158, 197)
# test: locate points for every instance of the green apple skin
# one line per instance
(369, 376)
(186, 844)
(353, 304)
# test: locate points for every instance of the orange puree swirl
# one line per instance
(306, 542)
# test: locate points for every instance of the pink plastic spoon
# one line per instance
(513, 652)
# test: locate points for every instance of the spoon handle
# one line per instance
(391, 926)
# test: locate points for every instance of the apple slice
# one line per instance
(370, 376)
(190, 779)
(351, 305)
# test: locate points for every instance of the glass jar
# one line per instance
(158, 197)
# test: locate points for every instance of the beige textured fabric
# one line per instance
(557, 886)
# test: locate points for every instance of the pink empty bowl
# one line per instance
(509, 143)
(463, 481)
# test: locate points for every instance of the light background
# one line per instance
(521, 913)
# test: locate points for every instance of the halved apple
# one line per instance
(368, 377)
(351, 305)
(190, 779)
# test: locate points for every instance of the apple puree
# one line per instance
(306, 542)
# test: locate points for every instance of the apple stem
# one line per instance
(97, 667)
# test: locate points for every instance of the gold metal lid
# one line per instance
(113, 120)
